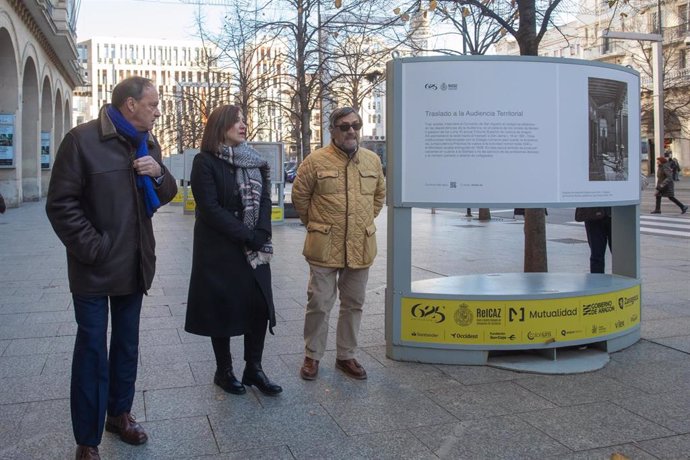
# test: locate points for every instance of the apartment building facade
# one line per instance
(583, 39)
(38, 74)
(189, 80)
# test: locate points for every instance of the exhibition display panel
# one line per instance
(520, 132)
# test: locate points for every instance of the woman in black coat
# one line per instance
(230, 285)
(664, 186)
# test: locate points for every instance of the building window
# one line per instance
(682, 62)
(683, 17)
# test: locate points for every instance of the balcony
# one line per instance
(676, 33)
(56, 32)
(673, 77)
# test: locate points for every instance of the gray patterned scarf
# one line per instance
(252, 172)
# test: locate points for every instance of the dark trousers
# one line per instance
(598, 237)
(100, 382)
(674, 199)
(253, 339)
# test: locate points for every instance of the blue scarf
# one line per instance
(139, 140)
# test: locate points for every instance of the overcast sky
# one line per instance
(168, 19)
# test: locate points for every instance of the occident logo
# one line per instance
(431, 313)
(463, 315)
(459, 336)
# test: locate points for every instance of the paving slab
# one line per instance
(506, 437)
(590, 426)
(298, 424)
(672, 447)
(391, 445)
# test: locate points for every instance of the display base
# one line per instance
(569, 361)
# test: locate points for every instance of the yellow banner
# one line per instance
(276, 214)
(190, 204)
(519, 322)
(179, 196)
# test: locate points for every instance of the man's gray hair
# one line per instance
(339, 113)
(130, 87)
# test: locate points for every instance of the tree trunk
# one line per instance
(535, 241)
(535, 220)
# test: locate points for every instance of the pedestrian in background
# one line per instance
(106, 184)
(675, 168)
(664, 186)
(338, 192)
(598, 227)
(230, 285)
(2, 204)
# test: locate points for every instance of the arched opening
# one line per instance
(59, 123)
(68, 117)
(9, 97)
(31, 187)
(46, 138)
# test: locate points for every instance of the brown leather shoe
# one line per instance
(127, 427)
(352, 368)
(309, 369)
(87, 453)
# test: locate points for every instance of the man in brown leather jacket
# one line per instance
(106, 183)
(338, 191)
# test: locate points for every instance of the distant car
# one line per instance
(289, 171)
(290, 174)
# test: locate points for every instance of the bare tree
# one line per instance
(358, 50)
(195, 94)
(533, 18)
(306, 58)
(240, 55)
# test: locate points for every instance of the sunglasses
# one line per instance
(346, 127)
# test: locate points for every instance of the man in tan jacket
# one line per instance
(338, 191)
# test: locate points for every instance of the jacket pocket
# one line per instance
(326, 182)
(367, 182)
(317, 245)
(369, 244)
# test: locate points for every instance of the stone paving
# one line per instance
(637, 405)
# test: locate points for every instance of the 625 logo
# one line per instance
(428, 312)
(431, 86)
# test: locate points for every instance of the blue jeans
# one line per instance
(99, 382)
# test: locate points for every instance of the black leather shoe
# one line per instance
(228, 382)
(254, 375)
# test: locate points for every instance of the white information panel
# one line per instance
(272, 152)
(509, 130)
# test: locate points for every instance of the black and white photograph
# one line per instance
(608, 122)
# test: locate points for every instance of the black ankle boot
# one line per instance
(228, 382)
(254, 375)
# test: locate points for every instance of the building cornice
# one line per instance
(71, 75)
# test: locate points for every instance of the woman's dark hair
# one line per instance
(130, 87)
(220, 120)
